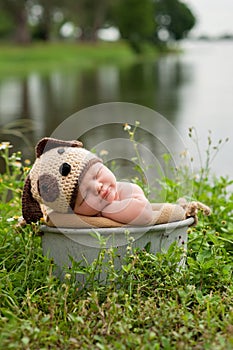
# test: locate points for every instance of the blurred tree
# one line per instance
(154, 21)
(174, 19)
(135, 20)
(89, 16)
(17, 10)
(6, 24)
(43, 14)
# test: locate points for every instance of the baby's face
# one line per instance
(97, 189)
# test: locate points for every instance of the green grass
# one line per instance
(44, 57)
(148, 304)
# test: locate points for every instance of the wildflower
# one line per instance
(68, 276)
(10, 219)
(20, 219)
(131, 239)
(27, 162)
(5, 145)
(17, 164)
(197, 177)
(127, 127)
(103, 152)
(128, 249)
(184, 154)
(13, 218)
(191, 287)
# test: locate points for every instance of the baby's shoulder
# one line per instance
(124, 184)
(127, 188)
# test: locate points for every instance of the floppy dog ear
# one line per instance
(30, 207)
(48, 143)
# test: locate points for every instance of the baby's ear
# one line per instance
(48, 143)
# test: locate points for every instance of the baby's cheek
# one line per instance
(112, 196)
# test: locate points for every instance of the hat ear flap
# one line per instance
(30, 207)
(48, 143)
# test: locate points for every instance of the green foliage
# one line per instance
(135, 20)
(138, 160)
(11, 180)
(175, 17)
(6, 24)
(150, 303)
(15, 60)
(138, 21)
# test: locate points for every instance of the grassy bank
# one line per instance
(148, 304)
(44, 57)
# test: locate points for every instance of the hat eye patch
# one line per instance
(65, 169)
(48, 187)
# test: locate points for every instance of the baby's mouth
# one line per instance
(108, 195)
(105, 193)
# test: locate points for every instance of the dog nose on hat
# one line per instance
(48, 187)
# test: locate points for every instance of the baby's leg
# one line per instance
(166, 212)
(157, 206)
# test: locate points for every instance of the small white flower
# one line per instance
(5, 145)
(17, 164)
(10, 219)
(103, 152)
(13, 218)
(127, 127)
(197, 177)
(184, 154)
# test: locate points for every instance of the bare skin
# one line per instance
(100, 194)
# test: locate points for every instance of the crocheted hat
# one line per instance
(55, 177)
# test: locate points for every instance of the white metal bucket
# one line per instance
(82, 244)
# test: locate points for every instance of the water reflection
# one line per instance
(10, 100)
(48, 100)
(184, 88)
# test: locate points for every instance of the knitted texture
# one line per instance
(55, 178)
(31, 209)
(56, 175)
(162, 214)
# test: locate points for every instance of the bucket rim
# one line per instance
(119, 230)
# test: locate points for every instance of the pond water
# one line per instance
(193, 88)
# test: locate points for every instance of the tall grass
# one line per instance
(147, 304)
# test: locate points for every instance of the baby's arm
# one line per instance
(131, 206)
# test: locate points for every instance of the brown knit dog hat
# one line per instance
(55, 177)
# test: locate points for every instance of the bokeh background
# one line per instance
(59, 57)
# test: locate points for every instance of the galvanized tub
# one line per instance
(82, 244)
